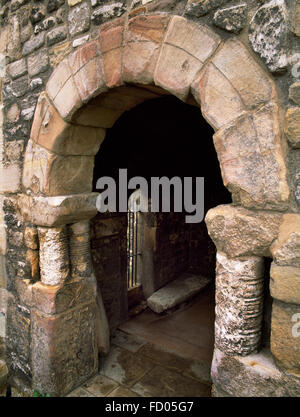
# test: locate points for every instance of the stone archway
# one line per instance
(129, 63)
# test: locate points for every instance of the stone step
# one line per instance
(177, 291)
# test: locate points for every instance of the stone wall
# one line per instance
(249, 92)
(176, 248)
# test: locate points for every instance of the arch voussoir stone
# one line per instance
(247, 77)
(51, 132)
(142, 45)
(252, 160)
(220, 102)
(62, 91)
(88, 75)
(50, 174)
(111, 45)
(186, 47)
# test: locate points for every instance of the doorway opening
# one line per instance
(145, 252)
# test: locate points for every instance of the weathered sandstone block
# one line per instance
(86, 67)
(220, 102)
(295, 17)
(255, 375)
(64, 350)
(286, 249)
(292, 126)
(50, 131)
(285, 283)
(285, 336)
(235, 63)
(143, 40)
(62, 90)
(187, 46)
(58, 79)
(252, 160)
(10, 176)
(56, 211)
(55, 299)
(89, 80)
(294, 90)
(97, 116)
(241, 232)
(50, 174)
(111, 39)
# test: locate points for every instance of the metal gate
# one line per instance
(132, 249)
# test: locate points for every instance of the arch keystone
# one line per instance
(111, 40)
(142, 46)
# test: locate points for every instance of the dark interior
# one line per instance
(161, 137)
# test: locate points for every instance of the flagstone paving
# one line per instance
(135, 367)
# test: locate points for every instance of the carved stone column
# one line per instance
(80, 255)
(54, 257)
(239, 304)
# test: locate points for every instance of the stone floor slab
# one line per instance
(122, 392)
(100, 386)
(80, 392)
(199, 370)
(164, 358)
(127, 341)
(177, 291)
(188, 367)
(125, 367)
(161, 382)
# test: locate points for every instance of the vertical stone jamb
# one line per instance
(81, 267)
(239, 304)
(64, 315)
